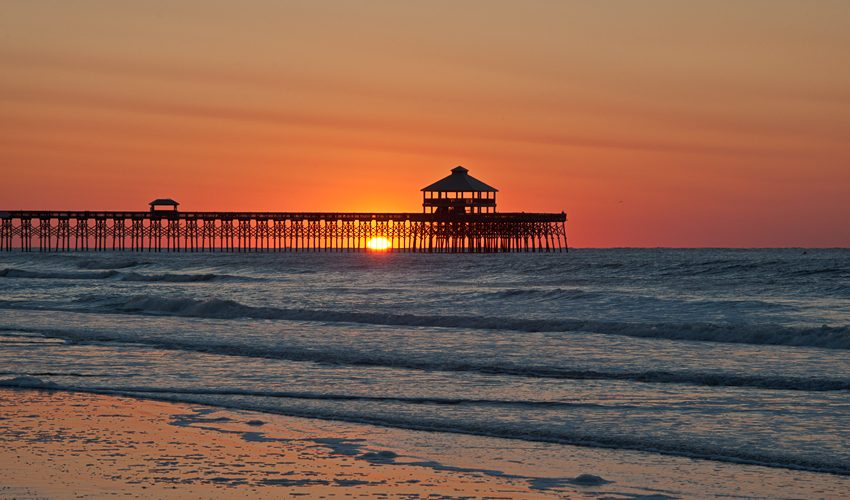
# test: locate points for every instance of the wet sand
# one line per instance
(73, 445)
(57, 444)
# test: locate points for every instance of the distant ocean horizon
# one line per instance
(731, 355)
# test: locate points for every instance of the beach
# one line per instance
(595, 374)
(425, 250)
(76, 445)
(70, 445)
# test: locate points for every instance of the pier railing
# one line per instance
(280, 231)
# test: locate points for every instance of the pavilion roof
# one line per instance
(460, 180)
(163, 201)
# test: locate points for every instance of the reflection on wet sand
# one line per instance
(58, 444)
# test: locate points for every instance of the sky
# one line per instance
(651, 123)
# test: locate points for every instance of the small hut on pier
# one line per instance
(163, 205)
(459, 193)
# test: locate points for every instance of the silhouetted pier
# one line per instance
(280, 231)
(459, 215)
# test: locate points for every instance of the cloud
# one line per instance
(327, 120)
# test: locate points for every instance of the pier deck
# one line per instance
(35, 230)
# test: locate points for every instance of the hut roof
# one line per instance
(460, 180)
(163, 201)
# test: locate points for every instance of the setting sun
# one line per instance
(378, 244)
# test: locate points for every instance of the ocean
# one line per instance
(733, 356)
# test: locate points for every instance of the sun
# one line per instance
(378, 244)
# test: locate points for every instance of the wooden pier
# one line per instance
(458, 216)
(280, 231)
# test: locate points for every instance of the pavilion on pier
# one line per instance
(459, 193)
(163, 205)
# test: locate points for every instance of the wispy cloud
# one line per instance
(324, 119)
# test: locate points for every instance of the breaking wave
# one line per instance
(830, 337)
(442, 362)
(57, 275)
(109, 264)
(119, 276)
(32, 380)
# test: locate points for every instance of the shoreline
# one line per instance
(59, 444)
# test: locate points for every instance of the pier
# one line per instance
(280, 231)
(459, 216)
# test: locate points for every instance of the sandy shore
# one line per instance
(56, 444)
(74, 445)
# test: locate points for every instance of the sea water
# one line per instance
(734, 356)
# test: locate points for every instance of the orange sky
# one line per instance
(652, 123)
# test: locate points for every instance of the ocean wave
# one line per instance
(776, 268)
(120, 276)
(830, 337)
(438, 422)
(28, 382)
(741, 266)
(10, 272)
(32, 380)
(443, 362)
(174, 278)
(109, 264)
(62, 374)
(536, 294)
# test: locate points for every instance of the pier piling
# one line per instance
(281, 231)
